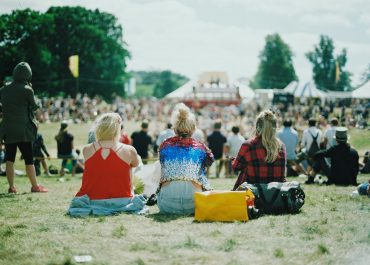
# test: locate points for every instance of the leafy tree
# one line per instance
(24, 37)
(157, 83)
(276, 68)
(47, 40)
(98, 40)
(325, 66)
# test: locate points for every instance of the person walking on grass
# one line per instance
(216, 141)
(18, 128)
(262, 158)
(141, 141)
(107, 179)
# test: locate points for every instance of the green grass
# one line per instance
(333, 228)
(35, 230)
(360, 140)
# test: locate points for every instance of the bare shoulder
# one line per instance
(88, 151)
(126, 149)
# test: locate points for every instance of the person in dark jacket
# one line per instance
(344, 165)
(216, 141)
(141, 141)
(18, 128)
(39, 149)
(65, 148)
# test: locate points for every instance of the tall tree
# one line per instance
(276, 68)
(47, 40)
(329, 71)
(98, 40)
(157, 83)
(166, 83)
(24, 37)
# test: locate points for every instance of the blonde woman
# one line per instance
(106, 182)
(183, 165)
(262, 158)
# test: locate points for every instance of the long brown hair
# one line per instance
(266, 129)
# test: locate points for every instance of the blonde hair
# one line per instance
(183, 120)
(108, 126)
(266, 129)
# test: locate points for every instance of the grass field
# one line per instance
(333, 228)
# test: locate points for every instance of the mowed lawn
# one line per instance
(332, 228)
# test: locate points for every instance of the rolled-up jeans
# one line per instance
(177, 197)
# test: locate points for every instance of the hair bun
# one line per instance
(183, 114)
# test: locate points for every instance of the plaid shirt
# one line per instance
(254, 169)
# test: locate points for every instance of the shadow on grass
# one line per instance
(164, 218)
(12, 195)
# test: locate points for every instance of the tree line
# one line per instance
(276, 69)
(47, 40)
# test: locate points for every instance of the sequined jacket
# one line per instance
(185, 159)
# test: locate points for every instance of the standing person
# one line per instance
(198, 135)
(234, 142)
(329, 136)
(107, 179)
(262, 158)
(141, 141)
(39, 149)
(165, 134)
(183, 166)
(18, 128)
(344, 165)
(216, 141)
(65, 148)
(289, 137)
(311, 140)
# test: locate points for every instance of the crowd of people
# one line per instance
(244, 141)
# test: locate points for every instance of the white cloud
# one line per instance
(173, 35)
(326, 20)
(364, 19)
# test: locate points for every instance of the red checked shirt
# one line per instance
(254, 169)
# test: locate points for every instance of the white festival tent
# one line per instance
(187, 89)
(245, 91)
(309, 90)
(291, 87)
(182, 91)
(363, 91)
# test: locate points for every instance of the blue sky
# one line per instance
(192, 36)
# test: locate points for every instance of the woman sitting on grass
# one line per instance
(183, 166)
(262, 158)
(106, 182)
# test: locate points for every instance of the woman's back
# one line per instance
(185, 159)
(107, 172)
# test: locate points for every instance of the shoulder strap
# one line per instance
(314, 137)
(119, 148)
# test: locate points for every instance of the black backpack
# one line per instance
(276, 197)
(314, 148)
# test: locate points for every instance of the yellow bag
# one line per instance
(222, 205)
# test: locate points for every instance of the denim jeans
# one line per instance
(177, 197)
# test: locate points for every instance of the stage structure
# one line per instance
(211, 88)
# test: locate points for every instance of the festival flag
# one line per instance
(337, 72)
(73, 65)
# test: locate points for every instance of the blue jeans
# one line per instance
(177, 197)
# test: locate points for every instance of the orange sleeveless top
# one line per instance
(106, 178)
